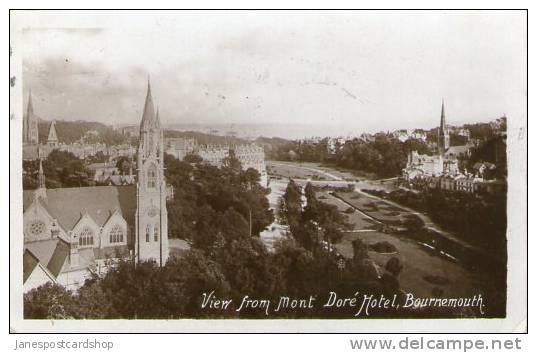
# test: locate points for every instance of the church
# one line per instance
(72, 233)
(443, 163)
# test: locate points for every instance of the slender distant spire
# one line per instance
(443, 133)
(30, 128)
(41, 191)
(443, 117)
(30, 109)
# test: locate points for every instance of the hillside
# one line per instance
(72, 131)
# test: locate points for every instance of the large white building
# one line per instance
(250, 156)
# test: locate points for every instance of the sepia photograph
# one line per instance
(252, 168)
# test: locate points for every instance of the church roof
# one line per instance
(29, 263)
(52, 135)
(58, 258)
(68, 205)
(51, 253)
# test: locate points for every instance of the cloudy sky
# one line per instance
(333, 72)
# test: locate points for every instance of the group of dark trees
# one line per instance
(384, 157)
(61, 168)
(492, 150)
(317, 225)
(210, 202)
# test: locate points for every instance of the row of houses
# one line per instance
(462, 182)
(80, 150)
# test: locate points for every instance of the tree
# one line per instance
(394, 266)
(359, 250)
(49, 301)
(124, 165)
(292, 207)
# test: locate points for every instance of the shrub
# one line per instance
(394, 266)
(438, 280)
(383, 247)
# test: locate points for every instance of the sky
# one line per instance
(308, 72)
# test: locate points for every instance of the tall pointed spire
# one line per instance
(30, 128)
(148, 117)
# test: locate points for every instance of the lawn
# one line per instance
(375, 208)
(419, 265)
(294, 171)
(357, 218)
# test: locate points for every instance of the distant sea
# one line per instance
(253, 131)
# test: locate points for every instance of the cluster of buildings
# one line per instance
(72, 233)
(180, 147)
(441, 170)
(249, 155)
(106, 173)
(404, 135)
(33, 148)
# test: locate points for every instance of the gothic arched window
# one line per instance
(116, 234)
(155, 233)
(86, 237)
(152, 176)
(147, 233)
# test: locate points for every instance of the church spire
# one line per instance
(148, 117)
(151, 235)
(41, 191)
(443, 133)
(30, 133)
(30, 108)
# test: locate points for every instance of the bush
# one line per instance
(413, 223)
(438, 280)
(383, 247)
(394, 266)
